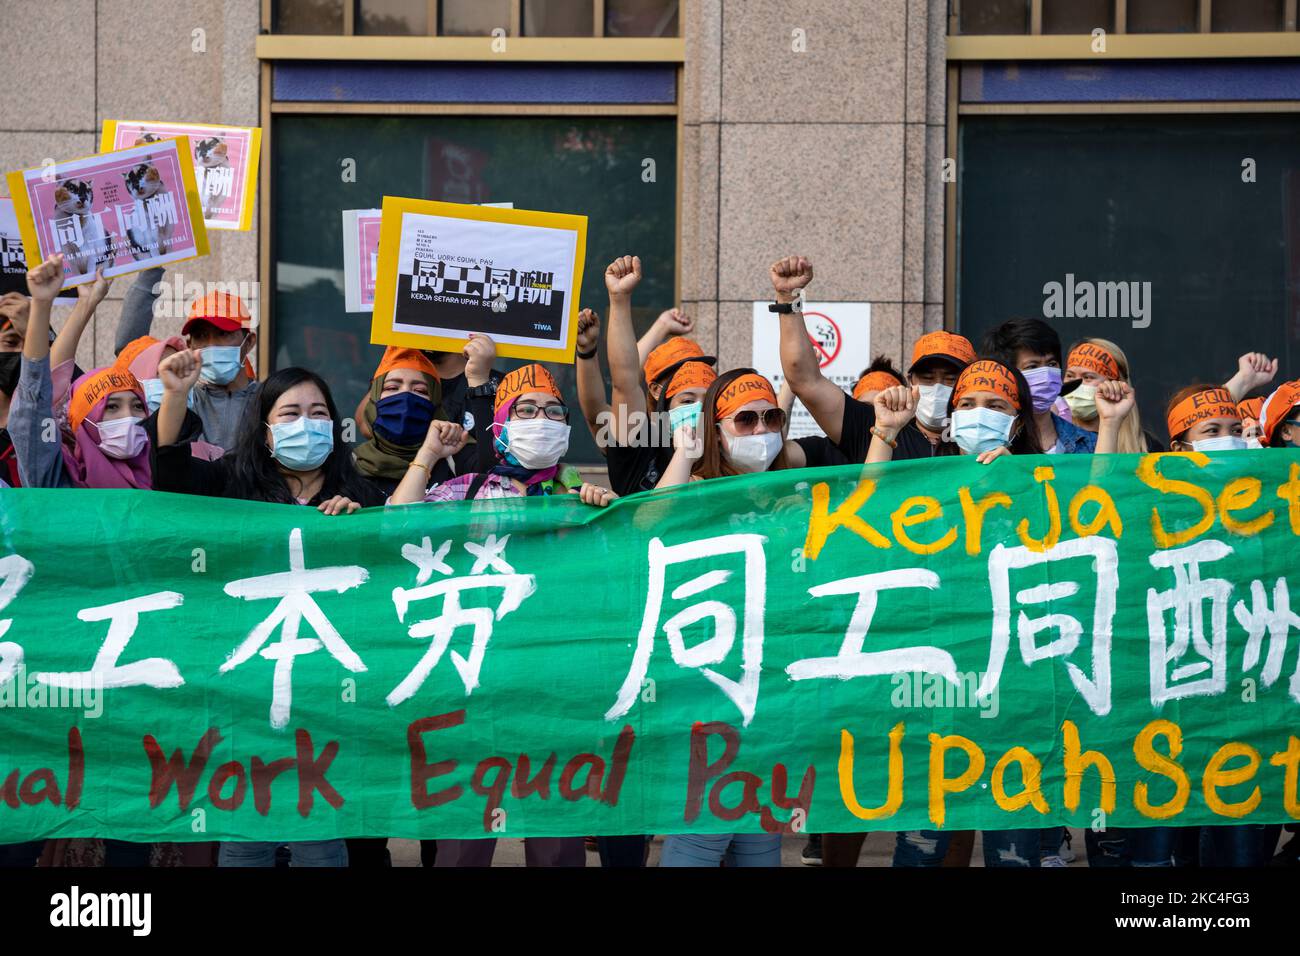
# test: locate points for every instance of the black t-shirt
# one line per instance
(633, 469)
(475, 415)
(855, 435)
(820, 452)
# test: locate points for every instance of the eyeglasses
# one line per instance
(527, 410)
(746, 421)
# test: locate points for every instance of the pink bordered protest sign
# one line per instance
(122, 211)
(225, 163)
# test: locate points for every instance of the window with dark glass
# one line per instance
(559, 18)
(641, 18)
(1162, 16)
(393, 17)
(1246, 16)
(307, 16)
(1078, 16)
(472, 18)
(995, 16)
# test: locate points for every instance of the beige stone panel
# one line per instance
(700, 211)
(918, 55)
(936, 107)
(152, 68)
(27, 150)
(886, 332)
(47, 53)
(702, 30)
(735, 335)
(935, 192)
(920, 166)
(933, 318)
(852, 70)
(835, 195)
(706, 323)
(913, 329)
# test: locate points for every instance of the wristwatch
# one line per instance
(588, 355)
(788, 308)
(487, 390)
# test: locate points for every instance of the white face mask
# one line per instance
(1224, 443)
(932, 408)
(1253, 443)
(122, 438)
(753, 453)
(537, 442)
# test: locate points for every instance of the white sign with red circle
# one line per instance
(840, 333)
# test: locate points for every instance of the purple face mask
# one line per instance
(1044, 386)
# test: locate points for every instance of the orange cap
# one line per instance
(1250, 407)
(530, 378)
(225, 311)
(750, 387)
(1276, 409)
(946, 345)
(1094, 358)
(690, 375)
(1201, 406)
(670, 353)
(874, 382)
(988, 376)
(414, 359)
(133, 349)
(97, 386)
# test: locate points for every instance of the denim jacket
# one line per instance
(1073, 439)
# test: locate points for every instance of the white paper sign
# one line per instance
(841, 337)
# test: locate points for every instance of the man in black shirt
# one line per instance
(937, 360)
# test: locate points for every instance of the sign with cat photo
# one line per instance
(225, 163)
(13, 260)
(445, 270)
(361, 255)
(122, 211)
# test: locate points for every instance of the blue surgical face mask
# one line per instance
(221, 364)
(1222, 443)
(403, 418)
(977, 430)
(302, 444)
(688, 414)
(153, 393)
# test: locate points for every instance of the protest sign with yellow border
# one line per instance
(225, 163)
(117, 211)
(448, 269)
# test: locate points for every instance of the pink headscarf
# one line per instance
(145, 365)
(88, 467)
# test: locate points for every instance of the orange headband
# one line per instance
(670, 353)
(874, 382)
(690, 375)
(988, 376)
(98, 386)
(1251, 407)
(530, 378)
(1094, 358)
(1277, 407)
(413, 359)
(1199, 407)
(750, 387)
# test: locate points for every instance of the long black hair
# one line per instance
(253, 471)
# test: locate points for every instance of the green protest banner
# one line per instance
(919, 645)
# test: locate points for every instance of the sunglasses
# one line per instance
(746, 421)
(527, 410)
